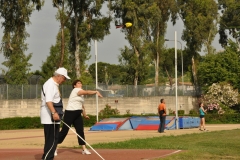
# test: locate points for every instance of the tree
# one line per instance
(157, 29)
(19, 69)
(85, 22)
(229, 21)
(198, 17)
(16, 15)
(220, 67)
(135, 65)
(107, 73)
(209, 49)
(63, 15)
(52, 62)
(86, 79)
(115, 72)
(136, 58)
(167, 63)
(85, 25)
(103, 77)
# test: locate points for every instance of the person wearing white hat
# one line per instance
(50, 118)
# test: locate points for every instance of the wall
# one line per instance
(136, 105)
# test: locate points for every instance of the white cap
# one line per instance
(63, 72)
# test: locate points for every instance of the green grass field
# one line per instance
(198, 146)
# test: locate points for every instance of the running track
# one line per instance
(75, 154)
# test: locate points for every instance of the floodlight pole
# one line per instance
(96, 72)
(176, 86)
(182, 64)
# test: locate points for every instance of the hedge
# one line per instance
(34, 122)
(20, 123)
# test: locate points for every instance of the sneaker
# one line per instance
(55, 153)
(86, 152)
(205, 129)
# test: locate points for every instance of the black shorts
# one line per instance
(201, 116)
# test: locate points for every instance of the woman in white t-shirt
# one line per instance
(73, 114)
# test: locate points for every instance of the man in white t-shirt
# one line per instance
(50, 95)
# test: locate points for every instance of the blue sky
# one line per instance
(44, 27)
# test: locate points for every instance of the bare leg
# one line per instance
(201, 123)
(203, 119)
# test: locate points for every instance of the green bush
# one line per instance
(91, 121)
(109, 111)
(181, 112)
(222, 118)
(193, 112)
(171, 112)
(20, 123)
(34, 122)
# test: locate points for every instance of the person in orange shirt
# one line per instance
(162, 116)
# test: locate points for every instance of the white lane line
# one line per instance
(174, 152)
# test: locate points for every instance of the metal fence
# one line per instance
(8, 92)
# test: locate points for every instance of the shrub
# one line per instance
(91, 121)
(222, 118)
(181, 112)
(171, 112)
(128, 112)
(193, 112)
(34, 122)
(109, 111)
(20, 123)
(219, 98)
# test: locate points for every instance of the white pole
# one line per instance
(182, 69)
(30, 91)
(176, 86)
(96, 76)
(7, 91)
(182, 62)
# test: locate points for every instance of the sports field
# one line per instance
(28, 144)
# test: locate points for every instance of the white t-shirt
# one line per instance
(75, 101)
(52, 94)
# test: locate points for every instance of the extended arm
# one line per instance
(88, 92)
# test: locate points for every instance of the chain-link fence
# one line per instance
(8, 92)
